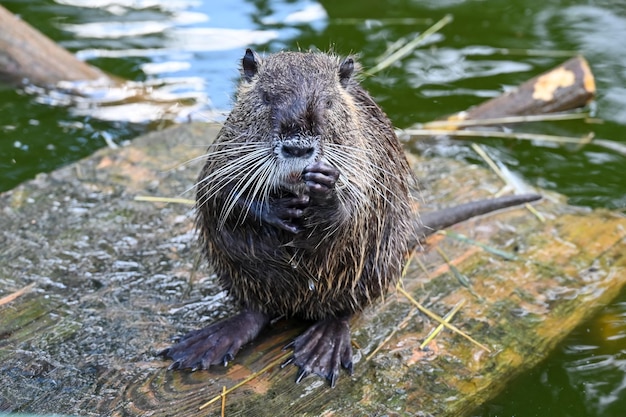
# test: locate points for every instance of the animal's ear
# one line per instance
(250, 64)
(346, 69)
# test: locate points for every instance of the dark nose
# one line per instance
(297, 150)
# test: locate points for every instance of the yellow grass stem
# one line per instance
(269, 366)
(494, 167)
(447, 318)
(174, 200)
(8, 298)
(410, 46)
(223, 400)
(439, 319)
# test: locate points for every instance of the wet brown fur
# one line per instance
(344, 258)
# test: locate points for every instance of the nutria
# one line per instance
(304, 210)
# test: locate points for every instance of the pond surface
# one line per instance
(188, 51)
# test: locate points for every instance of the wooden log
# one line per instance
(26, 55)
(568, 86)
(112, 286)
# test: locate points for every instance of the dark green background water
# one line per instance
(190, 50)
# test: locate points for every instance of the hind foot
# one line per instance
(217, 343)
(323, 349)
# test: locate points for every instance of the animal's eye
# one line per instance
(267, 99)
(329, 103)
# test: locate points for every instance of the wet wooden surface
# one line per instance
(106, 281)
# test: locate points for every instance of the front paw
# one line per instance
(215, 344)
(320, 178)
(323, 349)
(287, 212)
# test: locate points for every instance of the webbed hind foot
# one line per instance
(216, 343)
(323, 349)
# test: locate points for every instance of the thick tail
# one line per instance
(429, 223)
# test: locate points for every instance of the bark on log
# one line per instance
(112, 286)
(26, 54)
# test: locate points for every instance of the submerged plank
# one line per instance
(114, 279)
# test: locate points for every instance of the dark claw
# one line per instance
(301, 375)
(349, 368)
(174, 366)
(333, 379)
(287, 362)
(229, 357)
(289, 227)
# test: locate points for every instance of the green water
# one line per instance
(190, 49)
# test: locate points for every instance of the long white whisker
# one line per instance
(262, 181)
(231, 169)
(210, 154)
(236, 193)
(346, 159)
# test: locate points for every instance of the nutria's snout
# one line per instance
(298, 148)
(290, 149)
(293, 155)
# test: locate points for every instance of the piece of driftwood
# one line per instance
(27, 55)
(115, 278)
(566, 87)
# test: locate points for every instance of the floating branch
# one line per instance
(569, 86)
(27, 54)
(419, 133)
(457, 124)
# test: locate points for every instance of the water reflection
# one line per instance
(443, 66)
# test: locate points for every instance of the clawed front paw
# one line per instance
(323, 349)
(320, 178)
(287, 212)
